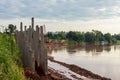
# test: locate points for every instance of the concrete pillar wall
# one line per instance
(32, 47)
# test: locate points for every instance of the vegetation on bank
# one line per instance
(94, 37)
(10, 62)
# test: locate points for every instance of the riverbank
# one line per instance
(81, 71)
(57, 71)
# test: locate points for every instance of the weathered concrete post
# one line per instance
(36, 44)
(21, 26)
(32, 23)
(25, 28)
(43, 51)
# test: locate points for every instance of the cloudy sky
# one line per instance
(63, 14)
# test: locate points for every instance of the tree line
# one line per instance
(94, 36)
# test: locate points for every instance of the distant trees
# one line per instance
(81, 37)
(50, 35)
(72, 36)
(99, 35)
(10, 29)
(61, 35)
(90, 37)
(94, 36)
(75, 36)
(108, 37)
(116, 36)
(56, 35)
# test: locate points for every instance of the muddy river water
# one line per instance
(102, 60)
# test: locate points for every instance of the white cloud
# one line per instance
(63, 14)
(102, 9)
(53, 1)
(2, 2)
(64, 0)
(60, 9)
(116, 9)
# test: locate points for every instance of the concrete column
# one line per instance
(21, 26)
(29, 26)
(32, 24)
(25, 28)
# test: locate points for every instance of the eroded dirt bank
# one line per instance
(80, 71)
(52, 75)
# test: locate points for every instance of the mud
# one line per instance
(80, 71)
(52, 75)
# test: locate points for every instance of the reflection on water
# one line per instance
(95, 50)
(103, 60)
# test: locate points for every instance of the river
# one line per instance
(102, 60)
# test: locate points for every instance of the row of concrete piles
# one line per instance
(32, 47)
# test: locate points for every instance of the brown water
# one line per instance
(102, 60)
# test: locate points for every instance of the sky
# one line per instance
(57, 15)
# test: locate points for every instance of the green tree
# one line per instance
(71, 35)
(116, 36)
(49, 35)
(108, 37)
(90, 37)
(99, 35)
(80, 37)
(11, 28)
(114, 40)
(11, 32)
